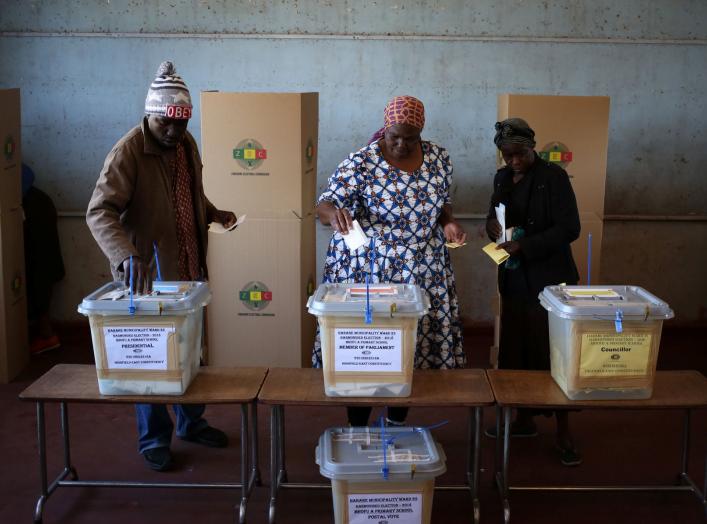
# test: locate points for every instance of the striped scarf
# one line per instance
(188, 257)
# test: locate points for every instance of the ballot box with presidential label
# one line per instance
(381, 474)
(146, 344)
(368, 337)
(604, 340)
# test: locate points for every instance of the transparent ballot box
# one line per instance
(368, 337)
(604, 340)
(146, 344)
(380, 474)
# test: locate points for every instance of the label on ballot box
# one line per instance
(401, 508)
(376, 350)
(137, 347)
(614, 354)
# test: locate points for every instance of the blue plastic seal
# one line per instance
(618, 321)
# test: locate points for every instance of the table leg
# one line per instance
(506, 456)
(497, 454)
(685, 445)
(704, 490)
(274, 460)
(475, 465)
(283, 467)
(68, 468)
(254, 445)
(245, 469)
(42, 445)
(684, 477)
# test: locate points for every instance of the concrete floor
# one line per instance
(626, 447)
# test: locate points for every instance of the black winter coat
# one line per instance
(552, 223)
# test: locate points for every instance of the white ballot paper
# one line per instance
(215, 227)
(501, 217)
(355, 237)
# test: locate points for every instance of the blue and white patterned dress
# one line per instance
(401, 211)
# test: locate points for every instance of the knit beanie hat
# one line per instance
(168, 94)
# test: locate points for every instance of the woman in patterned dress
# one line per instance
(397, 187)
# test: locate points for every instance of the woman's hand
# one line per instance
(339, 219)
(512, 247)
(493, 228)
(226, 218)
(142, 277)
(453, 232)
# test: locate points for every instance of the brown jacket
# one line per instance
(132, 207)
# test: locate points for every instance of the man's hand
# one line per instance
(453, 232)
(493, 228)
(226, 218)
(142, 277)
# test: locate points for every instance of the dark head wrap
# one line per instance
(514, 131)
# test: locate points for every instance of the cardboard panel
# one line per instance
(259, 152)
(261, 275)
(14, 350)
(11, 156)
(574, 130)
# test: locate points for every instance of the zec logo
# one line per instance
(255, 296)
(557, 153)
(250, 153)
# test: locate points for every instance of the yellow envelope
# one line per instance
(497, 255)
(454, 245)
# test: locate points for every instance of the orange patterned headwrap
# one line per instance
(404, 110)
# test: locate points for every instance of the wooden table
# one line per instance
(465, 388)
(684, 390)
(67, 383)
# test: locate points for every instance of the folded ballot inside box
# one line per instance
(146, 344)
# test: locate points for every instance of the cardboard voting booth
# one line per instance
(260, 160)
(14, 350)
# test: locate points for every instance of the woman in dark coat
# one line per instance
(542, 211)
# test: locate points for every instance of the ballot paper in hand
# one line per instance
(215, 227)
(355, 238)
(497, 255)
(501, 217)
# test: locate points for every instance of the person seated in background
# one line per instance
(150, 191)
(397, 188)
(44, 265)
(542, 210)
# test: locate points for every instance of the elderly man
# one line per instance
(150, 191)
